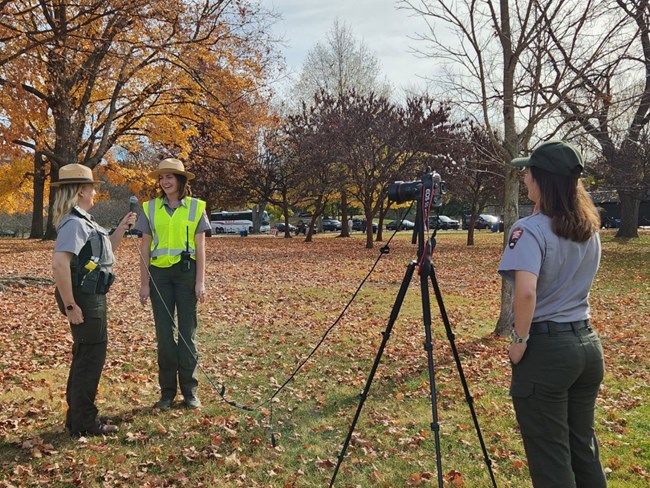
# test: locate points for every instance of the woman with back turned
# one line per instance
(552, 257)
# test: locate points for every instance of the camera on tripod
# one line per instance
(429, 188)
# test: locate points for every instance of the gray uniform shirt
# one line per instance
(75, 229)
(565, 269)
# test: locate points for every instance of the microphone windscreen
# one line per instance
(133, 203)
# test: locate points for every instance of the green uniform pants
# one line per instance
(88, 358)
(172, 294)
(554, 390)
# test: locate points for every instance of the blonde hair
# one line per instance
(66, 198)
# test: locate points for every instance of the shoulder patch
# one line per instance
(516, 234)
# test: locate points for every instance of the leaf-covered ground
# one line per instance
(270, 300)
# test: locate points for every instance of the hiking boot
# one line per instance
(164, 403)
(192, 403)
(97, 429)
(103, 429)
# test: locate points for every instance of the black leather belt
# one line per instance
(550, 327)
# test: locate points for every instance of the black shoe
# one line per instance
(97, 429)
(103, 429)
(164, 403)
(192, 403)
(102, 419)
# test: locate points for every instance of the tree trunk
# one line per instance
(511, 214)
(629, 215)
(39, 190)
(383, 210)
(285, 214)
(258, 210)
(369, 236)
(345, 231)
(314, 216)
(470, 229)
(50, 230)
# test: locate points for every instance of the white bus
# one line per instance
(236, 222)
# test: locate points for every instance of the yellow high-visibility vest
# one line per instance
(171, 235)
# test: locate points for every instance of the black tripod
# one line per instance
(426, 271)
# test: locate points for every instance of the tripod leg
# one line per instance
(428, 346)
(459, 367)
(386, 335)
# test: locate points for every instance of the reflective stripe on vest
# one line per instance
(172, 231)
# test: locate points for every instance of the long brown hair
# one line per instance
(184, 189)
(565, 200)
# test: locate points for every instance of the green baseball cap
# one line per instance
(559, 157)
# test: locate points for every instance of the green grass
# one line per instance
(270, 301)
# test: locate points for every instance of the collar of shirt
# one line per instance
(83, 213)
(165, 201)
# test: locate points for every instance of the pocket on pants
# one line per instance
(93, 330)
(526, 408)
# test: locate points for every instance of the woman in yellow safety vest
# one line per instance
(172, 274)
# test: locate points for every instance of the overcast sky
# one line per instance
(378, 23)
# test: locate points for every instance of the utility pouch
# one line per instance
(75, 272)
(186, 261)
(90, 282)
(105, 282)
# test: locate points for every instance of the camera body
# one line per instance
(430, 188)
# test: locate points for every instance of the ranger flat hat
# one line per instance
(171, 165)
(559, 157)
(75, 173)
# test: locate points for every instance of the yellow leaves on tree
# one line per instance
(16, 184)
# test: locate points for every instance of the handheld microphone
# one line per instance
(133, 205)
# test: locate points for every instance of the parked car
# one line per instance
(404, 225)
(7, 233)
(302, 227)
(443, 222)
(610, 223)
(331, 225)
(360, 224)
(280, 227)
(483, 221)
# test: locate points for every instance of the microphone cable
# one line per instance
(220, 389)
(382, 251)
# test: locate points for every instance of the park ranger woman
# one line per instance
(172, 275)
(552, 257)
(82, 268)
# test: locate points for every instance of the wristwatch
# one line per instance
(69, 307)
(516, 339)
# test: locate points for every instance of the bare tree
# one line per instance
(335, 67)
(340, 64)
(612, 102)
(477, 175)
(496, 69)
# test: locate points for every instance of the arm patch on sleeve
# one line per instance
(517, 232)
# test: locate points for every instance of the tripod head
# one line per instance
(428, 193)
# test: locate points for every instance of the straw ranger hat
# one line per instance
(171, 165)
(75, 173)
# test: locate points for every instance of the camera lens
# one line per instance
(401, 192)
